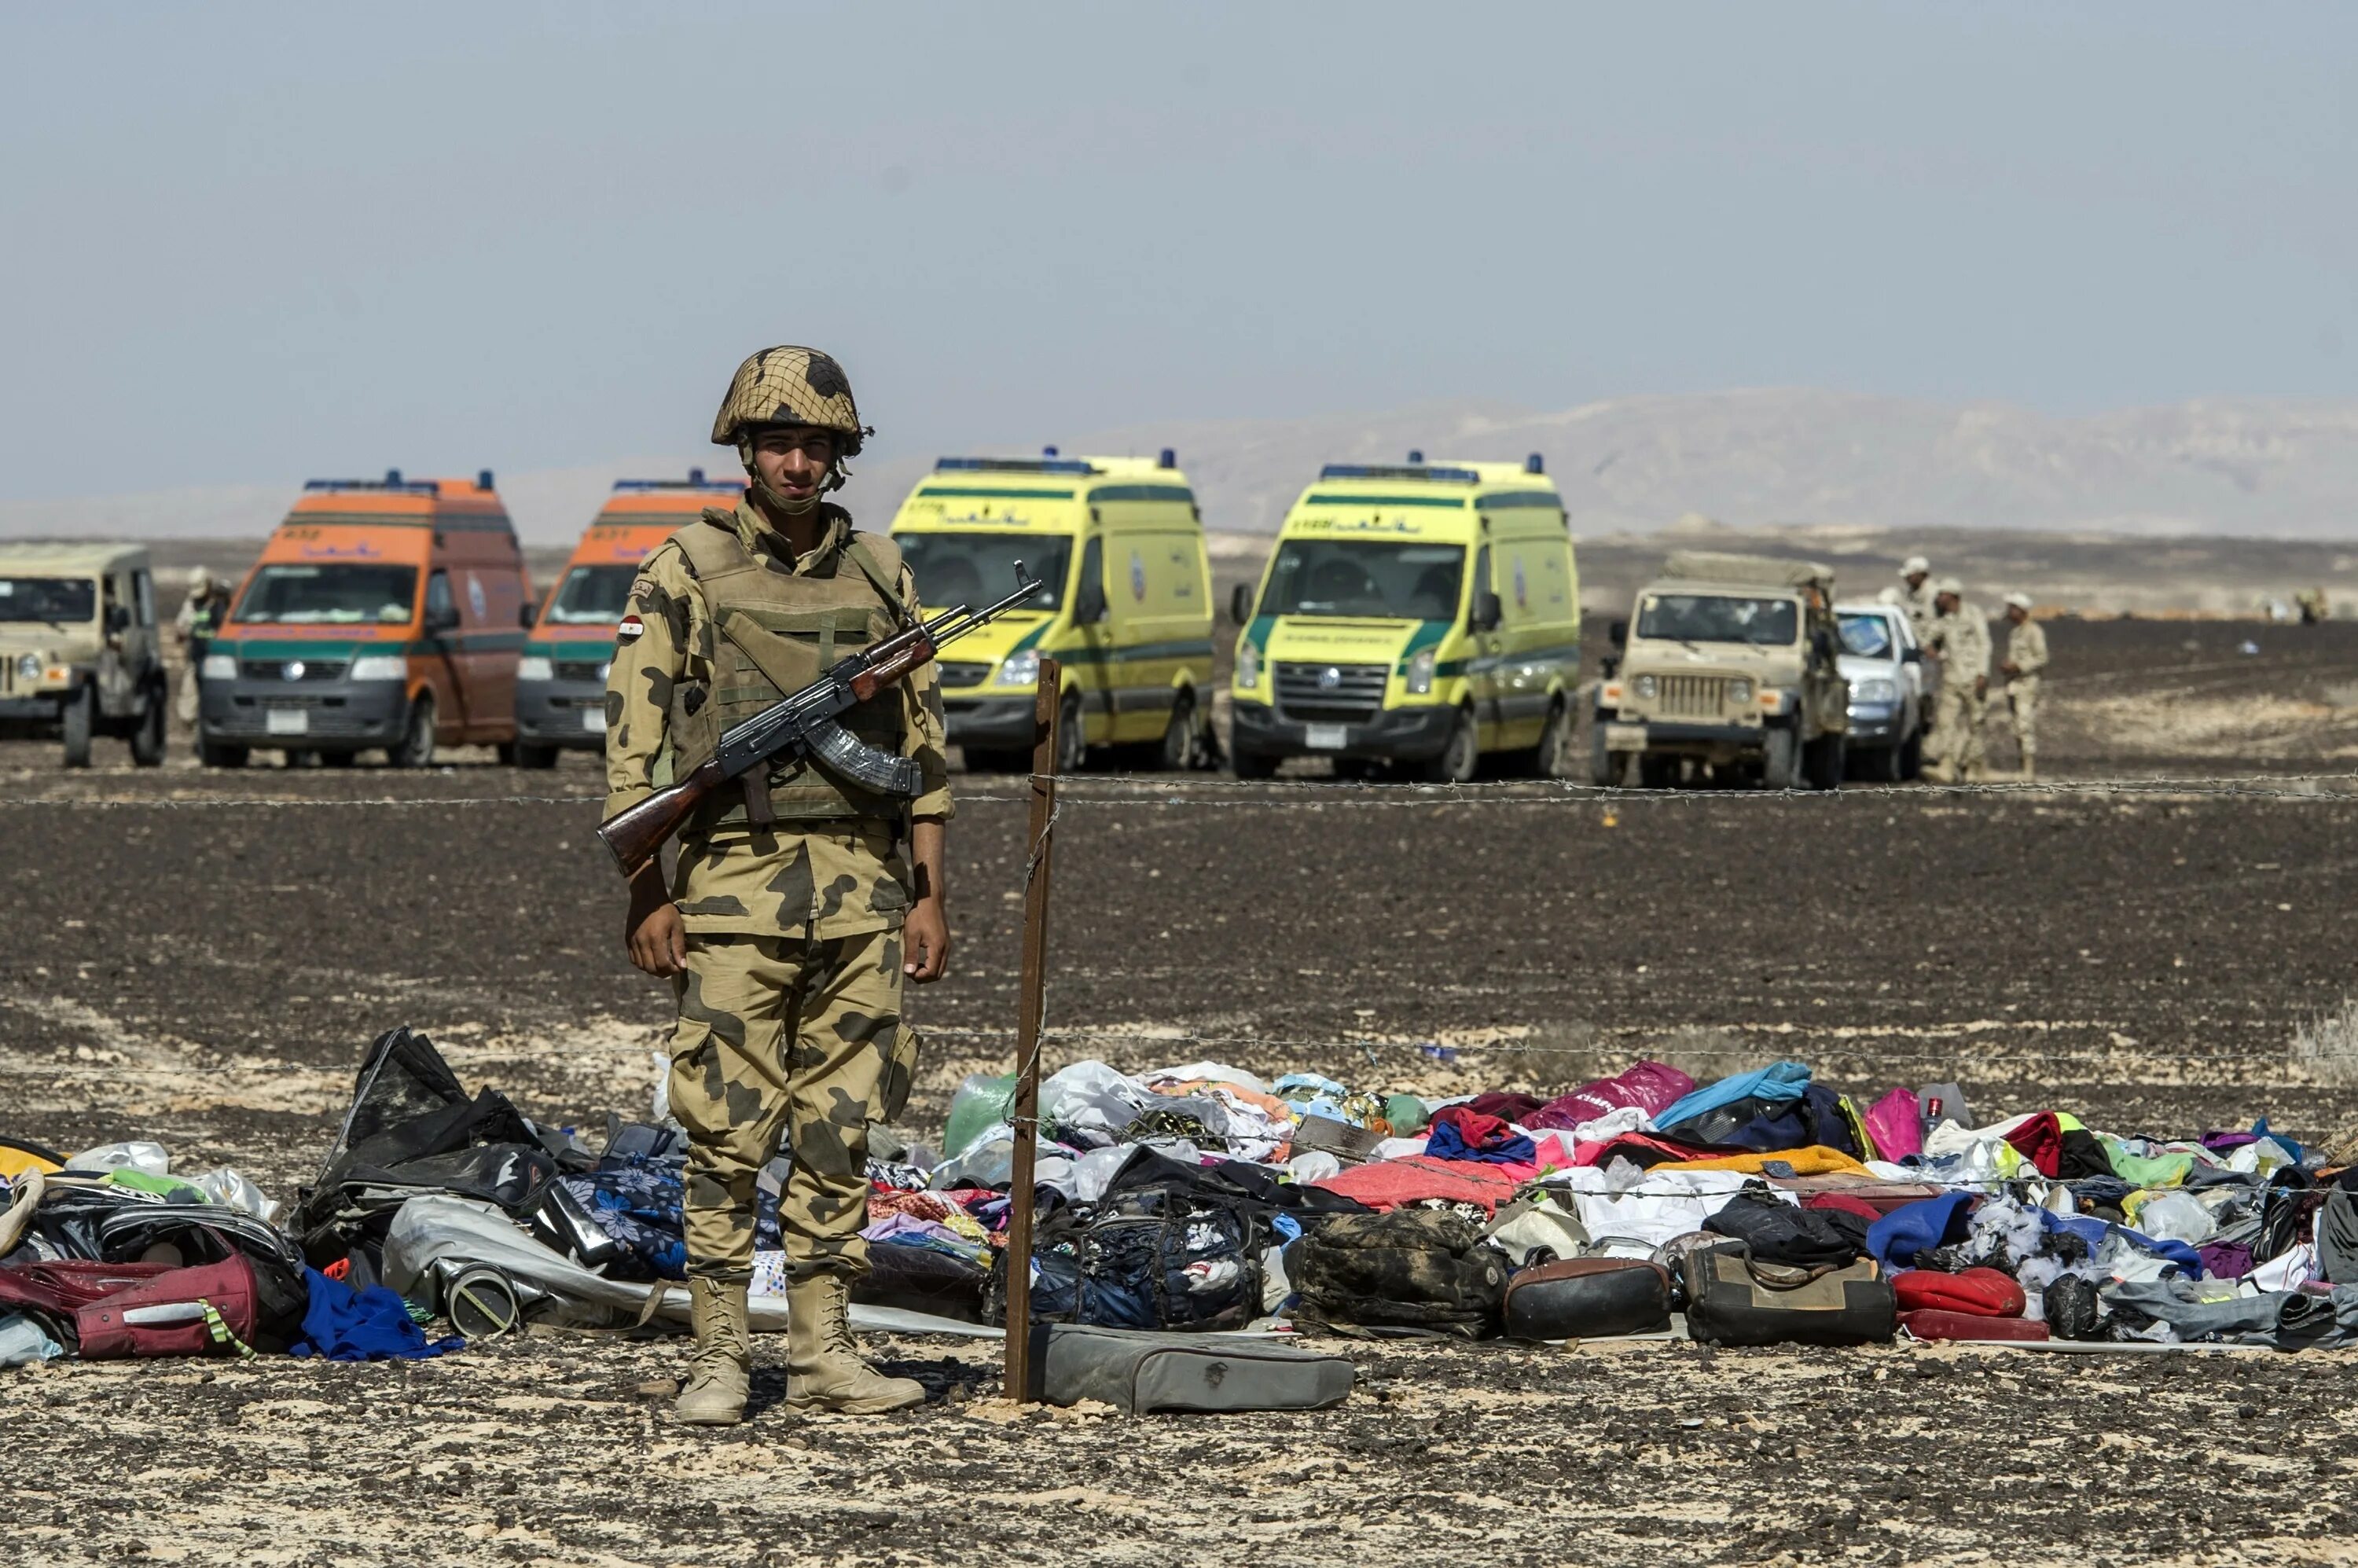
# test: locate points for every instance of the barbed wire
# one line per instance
(1099, 789)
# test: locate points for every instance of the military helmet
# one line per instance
(790, 385)
(1913, 565)
(2017, 600)
(1949, 585)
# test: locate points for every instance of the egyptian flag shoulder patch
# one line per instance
(630, 629)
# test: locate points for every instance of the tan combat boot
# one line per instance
(721, 1373)
(824, 1370)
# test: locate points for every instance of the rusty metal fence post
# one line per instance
(1047, 706)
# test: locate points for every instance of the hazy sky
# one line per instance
(251, 242)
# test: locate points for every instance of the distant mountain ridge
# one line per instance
(1777, 456)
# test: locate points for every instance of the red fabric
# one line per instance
(1388, 1183)
(2041, 1142)
(1842, 1203)
(1931, 1324)
(1643, 1148)
(1979, 1293)
(1652, 1086)
(1500, 1103)
(1479, 1131)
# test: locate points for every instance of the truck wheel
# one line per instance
(1254, 765)
(534, 759)
(1459, 757)
(147, 736)
(1780, 757)
(1823, 762)
(1176, 754)
(1072, 736)
(81, 717)
(416, 749)
(220, 754)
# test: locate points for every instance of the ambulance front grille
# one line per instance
(1330, 693)
(958, 675)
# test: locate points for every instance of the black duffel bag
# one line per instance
(1408, 1273)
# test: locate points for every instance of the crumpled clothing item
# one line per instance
(895, 1176)
(1649, 1206)
(1204, 1073)
(1897, 1236)
(22, 1342)
(1505, 1105)
(1814, 1160)
(2288, 1270)
(1252, 1126)
(905, 1230)
(1611, 1125)
(1984, 1292)
(1648, 1087)
(930, 1208)
(2039, 1139)
(2141, 1171)
(1460, 1133)
(345, 1324)
(1394, 1183)
(1777, 1081)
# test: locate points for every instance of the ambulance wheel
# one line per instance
(220, 753)
(1072, 738)
(415, 748)
(1176, 753)
(1459, 757)
(147, 737)
(534, 759)
(80, 718)
(1552, 757)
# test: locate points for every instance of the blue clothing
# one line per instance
(1777, 1081)
(2093, 1231)
(1444, 1141)
(1897, 1236)
(345, 1324)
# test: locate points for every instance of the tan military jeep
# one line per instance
(79, 651)
(1729, 663)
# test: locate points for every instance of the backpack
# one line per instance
(1151, 1259)
(1407, 1273)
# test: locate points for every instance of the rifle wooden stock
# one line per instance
(636, 832)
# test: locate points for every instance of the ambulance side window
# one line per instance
(143, 598)
(441, 609)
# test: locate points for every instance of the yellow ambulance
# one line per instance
(1419, 617)
(1124, 605)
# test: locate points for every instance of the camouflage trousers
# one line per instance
(1957, 732)
(782, 1035)
(2022, 696)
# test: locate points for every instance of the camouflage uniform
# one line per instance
(1961, 643)
(2026, 650)
(791, 998)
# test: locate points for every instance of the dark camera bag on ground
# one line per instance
(1588, 1298)
(1141, 1373)
(1407, 1273)
(1731, 1300)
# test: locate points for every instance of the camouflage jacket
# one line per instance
(2026, 650)
(1917, 604)
(829, 879)
(1963, 643)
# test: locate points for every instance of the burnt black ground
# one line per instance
(207, 974)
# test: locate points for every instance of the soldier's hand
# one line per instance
(654, 935)
(1981, 686)
(925, 942)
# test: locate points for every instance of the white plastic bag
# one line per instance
(148, 1158)
(231, 1190)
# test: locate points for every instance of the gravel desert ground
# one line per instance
(205, 973)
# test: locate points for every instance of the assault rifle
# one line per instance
(805, 725)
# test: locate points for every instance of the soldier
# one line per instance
(2026, 657)
(200, 617)
(1917, 573)
(1960, 639)
(799, 905)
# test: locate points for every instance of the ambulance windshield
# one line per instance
(976, 569)
(591, 596)
(1359, 578)
(286, 593)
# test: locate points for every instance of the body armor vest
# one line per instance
(772, 632)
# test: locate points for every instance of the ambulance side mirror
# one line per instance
(1487, 611)
(1618, 633)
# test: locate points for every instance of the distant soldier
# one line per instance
(2312, 605)
(1960, 639)
(1917, 597)
(200, 617)
(2026, 657)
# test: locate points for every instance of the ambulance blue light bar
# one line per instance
(1011, 465)
(391, 482)
(1379, 470)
